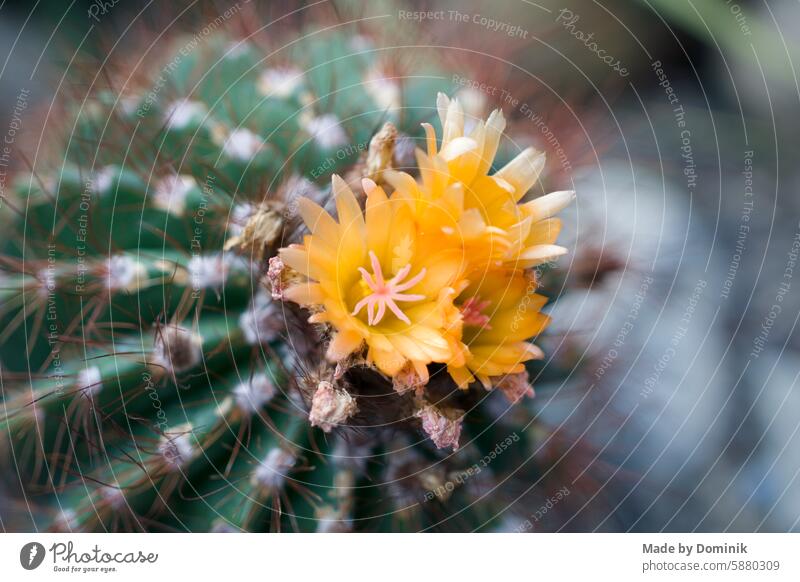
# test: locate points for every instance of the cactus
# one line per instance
(174, 360)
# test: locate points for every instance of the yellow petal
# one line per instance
(544, 232)
(461, 375)
(350, 216)
(390, 362)
(318, 221)
(343, 344)
(430, 138)
(379, 221)
(305, 294)
(462, 155)
(297, 258)
(409, 348)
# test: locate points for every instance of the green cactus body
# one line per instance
(150, 380)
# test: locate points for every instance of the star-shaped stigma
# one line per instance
(385, 293)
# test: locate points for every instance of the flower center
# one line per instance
(472, 313)
(384, 294)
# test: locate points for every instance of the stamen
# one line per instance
(386, 293)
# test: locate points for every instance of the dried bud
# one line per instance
(408, 379)
(514, 386)
(442, 425)
(280, 277)
(381, 152)
(261, 230)
(275, 278)
(330, 406)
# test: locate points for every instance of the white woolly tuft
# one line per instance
(114, 496)
(253, 394)
(123, 272)
(351, 457)
(262, 321)
(129, 104)
(221, 526)
(181, 114)
(280, 82)
(209, 270)
(67, 520)
(326, 130)
(240, 215)
(177, 349)
(47, 280)
(331, 520)
(89, 381)
(361, 43)
(176, 449)
(242, 144)
(236, 49)
(384, 91)
(271, 472)
(102, 179)
(170, 192)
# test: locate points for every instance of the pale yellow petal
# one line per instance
(523, 171)
(536, 255)
(549, 204)
(495, 126)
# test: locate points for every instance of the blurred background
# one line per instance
(678, 125)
